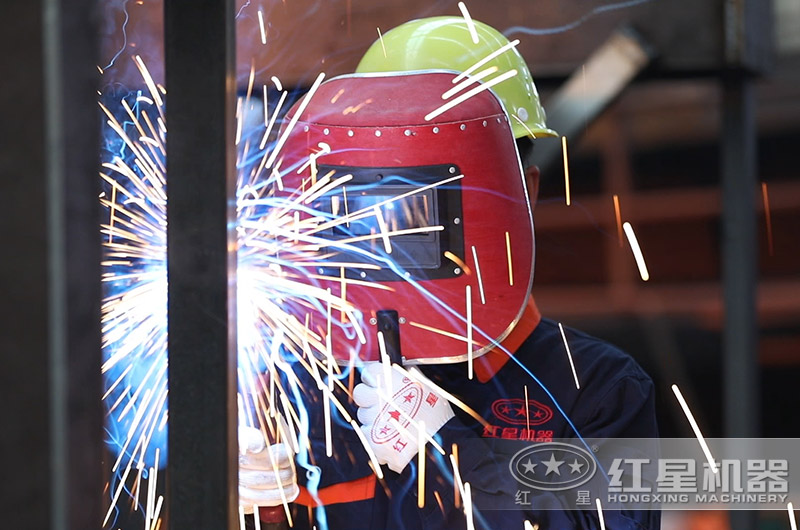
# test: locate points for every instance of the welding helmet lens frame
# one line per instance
(419, 256)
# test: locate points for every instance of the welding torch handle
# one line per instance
(389, 325)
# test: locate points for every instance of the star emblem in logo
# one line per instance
(395, 414)
(408, 397)
(529, 466)
(575, 466)
(553, 465)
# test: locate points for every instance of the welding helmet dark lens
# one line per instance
(409, 215)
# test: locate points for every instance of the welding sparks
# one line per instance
(376, 467)
(281, 254)
(470, 24)
(618, 216)
(134, 310)
(456, 490)
(637, 252)
(695, 428)
(293, 121)
(261, 27)
(478, 274)
(468, 506)
(380, 37)
(421, 456)
(469, 81)
(527, 411)
(566, 168)
(600, 514)
(458, 261)
(470, 352)
(569, 355)
(470, 93)
(508, 255)
(485, 60)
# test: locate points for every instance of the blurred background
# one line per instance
(681, 117)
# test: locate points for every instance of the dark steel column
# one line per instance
(50, 266)
(748, 50)
(739, 268)
(200, 81)
(739, 253)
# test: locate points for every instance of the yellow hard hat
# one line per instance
(447, 43)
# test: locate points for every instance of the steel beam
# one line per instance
(200, 82)
(739, 259)
(50, 267)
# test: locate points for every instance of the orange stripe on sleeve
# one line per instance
(355, 490)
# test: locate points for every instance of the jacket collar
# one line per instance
(487, 365)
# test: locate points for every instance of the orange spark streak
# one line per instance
(508, 255)
(458, 261)
(618, 215)
(439, 501)
(421, 465)
(438, 330)
(566, 168)
(469, 331)
(478, 274)
(351, 365)
(336, 96)
(454, 460)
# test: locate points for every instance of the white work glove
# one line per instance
(259, 485)
(410, 403)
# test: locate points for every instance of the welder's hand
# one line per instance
(390, 414)
(264, 471)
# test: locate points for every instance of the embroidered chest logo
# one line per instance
(515, 411)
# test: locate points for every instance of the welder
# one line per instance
(441, 117)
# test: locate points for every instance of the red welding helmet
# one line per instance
(409, 206)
